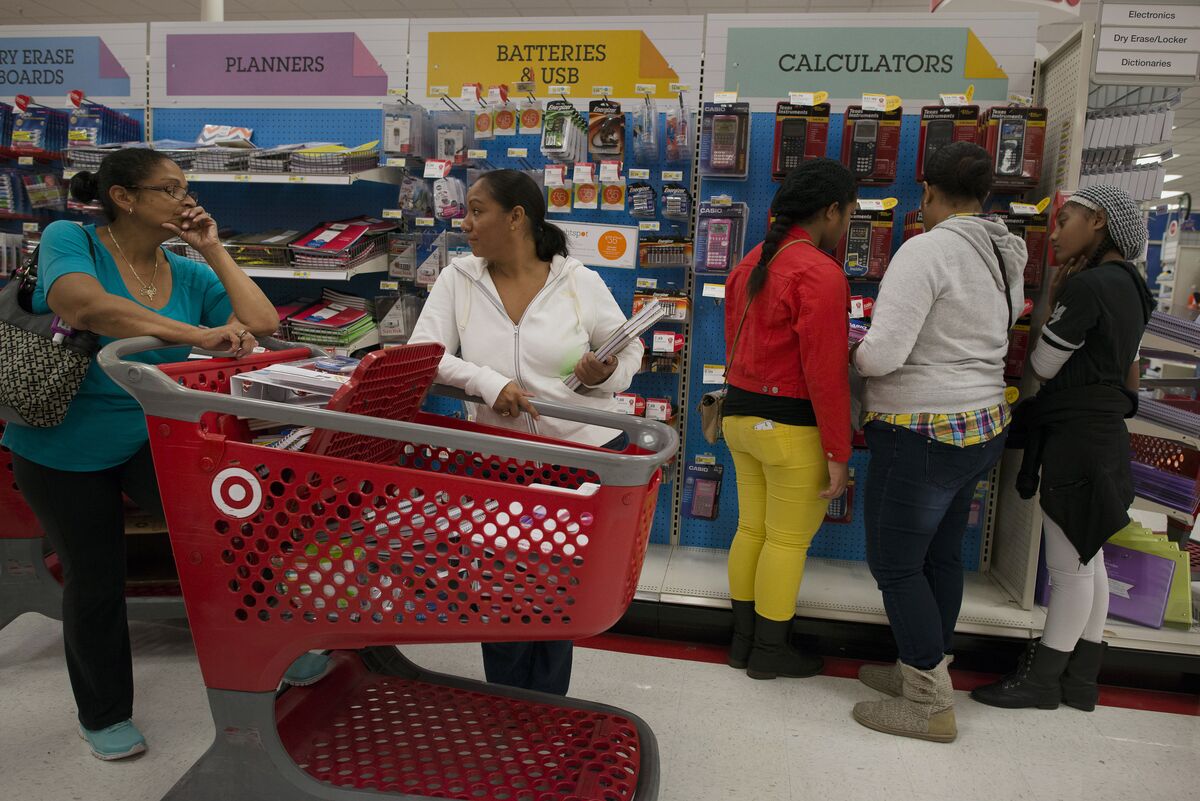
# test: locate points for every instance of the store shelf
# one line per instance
(1140, 638)
(384, 175)
(1138, 425)
(1153, 506)
(377, 264)
(832, 590)
(1160, 343)
(654, 573)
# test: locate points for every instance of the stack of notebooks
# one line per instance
(335, 159)
(633, 329)
(222, 159)
(337, 320)
(264, 249)
(341, 245)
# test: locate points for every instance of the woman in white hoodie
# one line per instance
(517, 318)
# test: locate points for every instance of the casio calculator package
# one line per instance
(405, 129)
(606, 130)
(801, 133)
(871, 144)
(866, 250)
(724, 140)
(720, 236)
(943, 125)
(452, 135)
(702, 491)
(1015, 137)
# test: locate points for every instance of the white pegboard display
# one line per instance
(1062, 87)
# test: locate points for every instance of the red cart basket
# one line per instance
(464, 534)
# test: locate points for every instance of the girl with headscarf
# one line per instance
(1074, 432)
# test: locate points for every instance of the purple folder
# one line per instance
(1140, 584)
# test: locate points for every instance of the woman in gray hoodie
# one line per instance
(936, 421)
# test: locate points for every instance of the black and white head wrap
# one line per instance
(1126, 225)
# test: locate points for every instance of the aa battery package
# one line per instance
(725, 140)
(801, 133)
(1015, 136)
(944, 125)
(871, 144)
(866, 249)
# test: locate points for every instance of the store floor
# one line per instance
(722, 735)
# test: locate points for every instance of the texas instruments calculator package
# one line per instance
(801, 133)
(866, 250)
(943, 125)
(871, 144)
(1015, 137)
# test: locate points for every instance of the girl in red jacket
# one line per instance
(787, 413)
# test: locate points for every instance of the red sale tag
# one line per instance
(76, 97)
(23, 102)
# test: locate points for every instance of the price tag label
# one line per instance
(296, 179)
(469, 92)
(714, 374)
(301, 274)
(647, 283)
(639, 174)
(664, 342)
(584, 172)
(439, 91)
(877, 204)
(601, 91)
(30, 228)
(456, 222)
(518, 152)
(395, 162)
(558, 90)
(396, 91)
(676, 88)
(25, 161)
(525, 87)
(645, 88)
(713, 291)
(955, 99)
(649, 225)
(495, 96)
(705, 458)
(392, 214)
(672, 175)
(1013, 99)
(392, 285)
(610, 171)
(1023, 209)
(725, 97)
(424, 222)
(802, 98)
(477, 154)
(554, 174)
(722, 200)
(874, 102)
(437, 168)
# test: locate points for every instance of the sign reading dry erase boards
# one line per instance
(49, 61)
(318, 63)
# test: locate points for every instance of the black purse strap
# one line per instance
(28, 277)
(1007, 285)
(738, 334)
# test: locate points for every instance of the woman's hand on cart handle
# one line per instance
(593, 372)
(513, 400)
(839, 477)
(232, 337)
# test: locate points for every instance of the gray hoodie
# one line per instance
(939, 334)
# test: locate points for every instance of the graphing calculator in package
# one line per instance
(841, 508)
(702, 491)
(720, 236)
(724, 140)
(1034, 229)
(866, 250)
(943, 125)
(1015, 137)
(801, 133)
(871, 144)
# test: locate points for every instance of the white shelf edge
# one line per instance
(1156, 342)
(1149, 428)
(378, 175)
(1148, 505)
(1120, 634)
(376, 264)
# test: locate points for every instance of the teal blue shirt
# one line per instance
(105, 426)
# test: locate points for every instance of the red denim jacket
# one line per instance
(795, 339)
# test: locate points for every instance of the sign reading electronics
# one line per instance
(908, 62)
(583, 59)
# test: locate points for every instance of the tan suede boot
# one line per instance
(924, 710)
(887, 679)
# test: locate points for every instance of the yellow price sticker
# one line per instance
(296, 179)
(392, 214)
(241, 178)
(25, 161)
(1043, 204)
(1011, 394)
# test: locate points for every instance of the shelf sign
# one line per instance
(714, 291)
(714, 374)
(1157, 43)
(392, 214)
(56, 65)
(639, 174)
(437, 168)
(395, 162)
(518, 152)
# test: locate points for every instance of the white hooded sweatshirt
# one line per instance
(572, 314)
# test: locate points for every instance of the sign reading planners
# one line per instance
(602, 245)
(623, 59)
(49, 61)
(317, 63)
(1148, 44)
(914, 56)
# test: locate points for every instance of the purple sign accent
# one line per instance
(274, 64)
(109, 66)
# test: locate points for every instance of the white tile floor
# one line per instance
(722, 735)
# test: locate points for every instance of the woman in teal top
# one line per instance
(117, 281)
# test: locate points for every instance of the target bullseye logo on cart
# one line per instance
(236, 492)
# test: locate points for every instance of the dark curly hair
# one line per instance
(128, 167)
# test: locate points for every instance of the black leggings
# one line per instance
(83, 515)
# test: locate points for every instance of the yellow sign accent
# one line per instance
(1043, 204)
(980, 64)
(970, 92)
(620, 59)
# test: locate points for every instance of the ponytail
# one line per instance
(549, 240)
(806, 192)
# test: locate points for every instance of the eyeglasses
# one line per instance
(176, 192)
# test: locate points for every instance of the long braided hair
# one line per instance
(808, 190)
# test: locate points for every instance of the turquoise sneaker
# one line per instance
(118, 741)
(308, 669)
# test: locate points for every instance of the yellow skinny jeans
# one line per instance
(781, 472)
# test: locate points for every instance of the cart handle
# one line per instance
(160, 396)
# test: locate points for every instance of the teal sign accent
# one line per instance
(848, 62)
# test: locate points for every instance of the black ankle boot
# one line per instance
(773, 656)
(1079, 686)
(743, 634)
(1034, 683)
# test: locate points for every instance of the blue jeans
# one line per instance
(541, 666)
(918, 501)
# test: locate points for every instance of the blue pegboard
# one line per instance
(834, 541)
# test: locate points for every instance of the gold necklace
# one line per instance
(148, 289)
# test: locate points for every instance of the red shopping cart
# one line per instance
(30, 573)
(453, 532)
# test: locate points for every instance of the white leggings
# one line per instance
(1078, 596)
